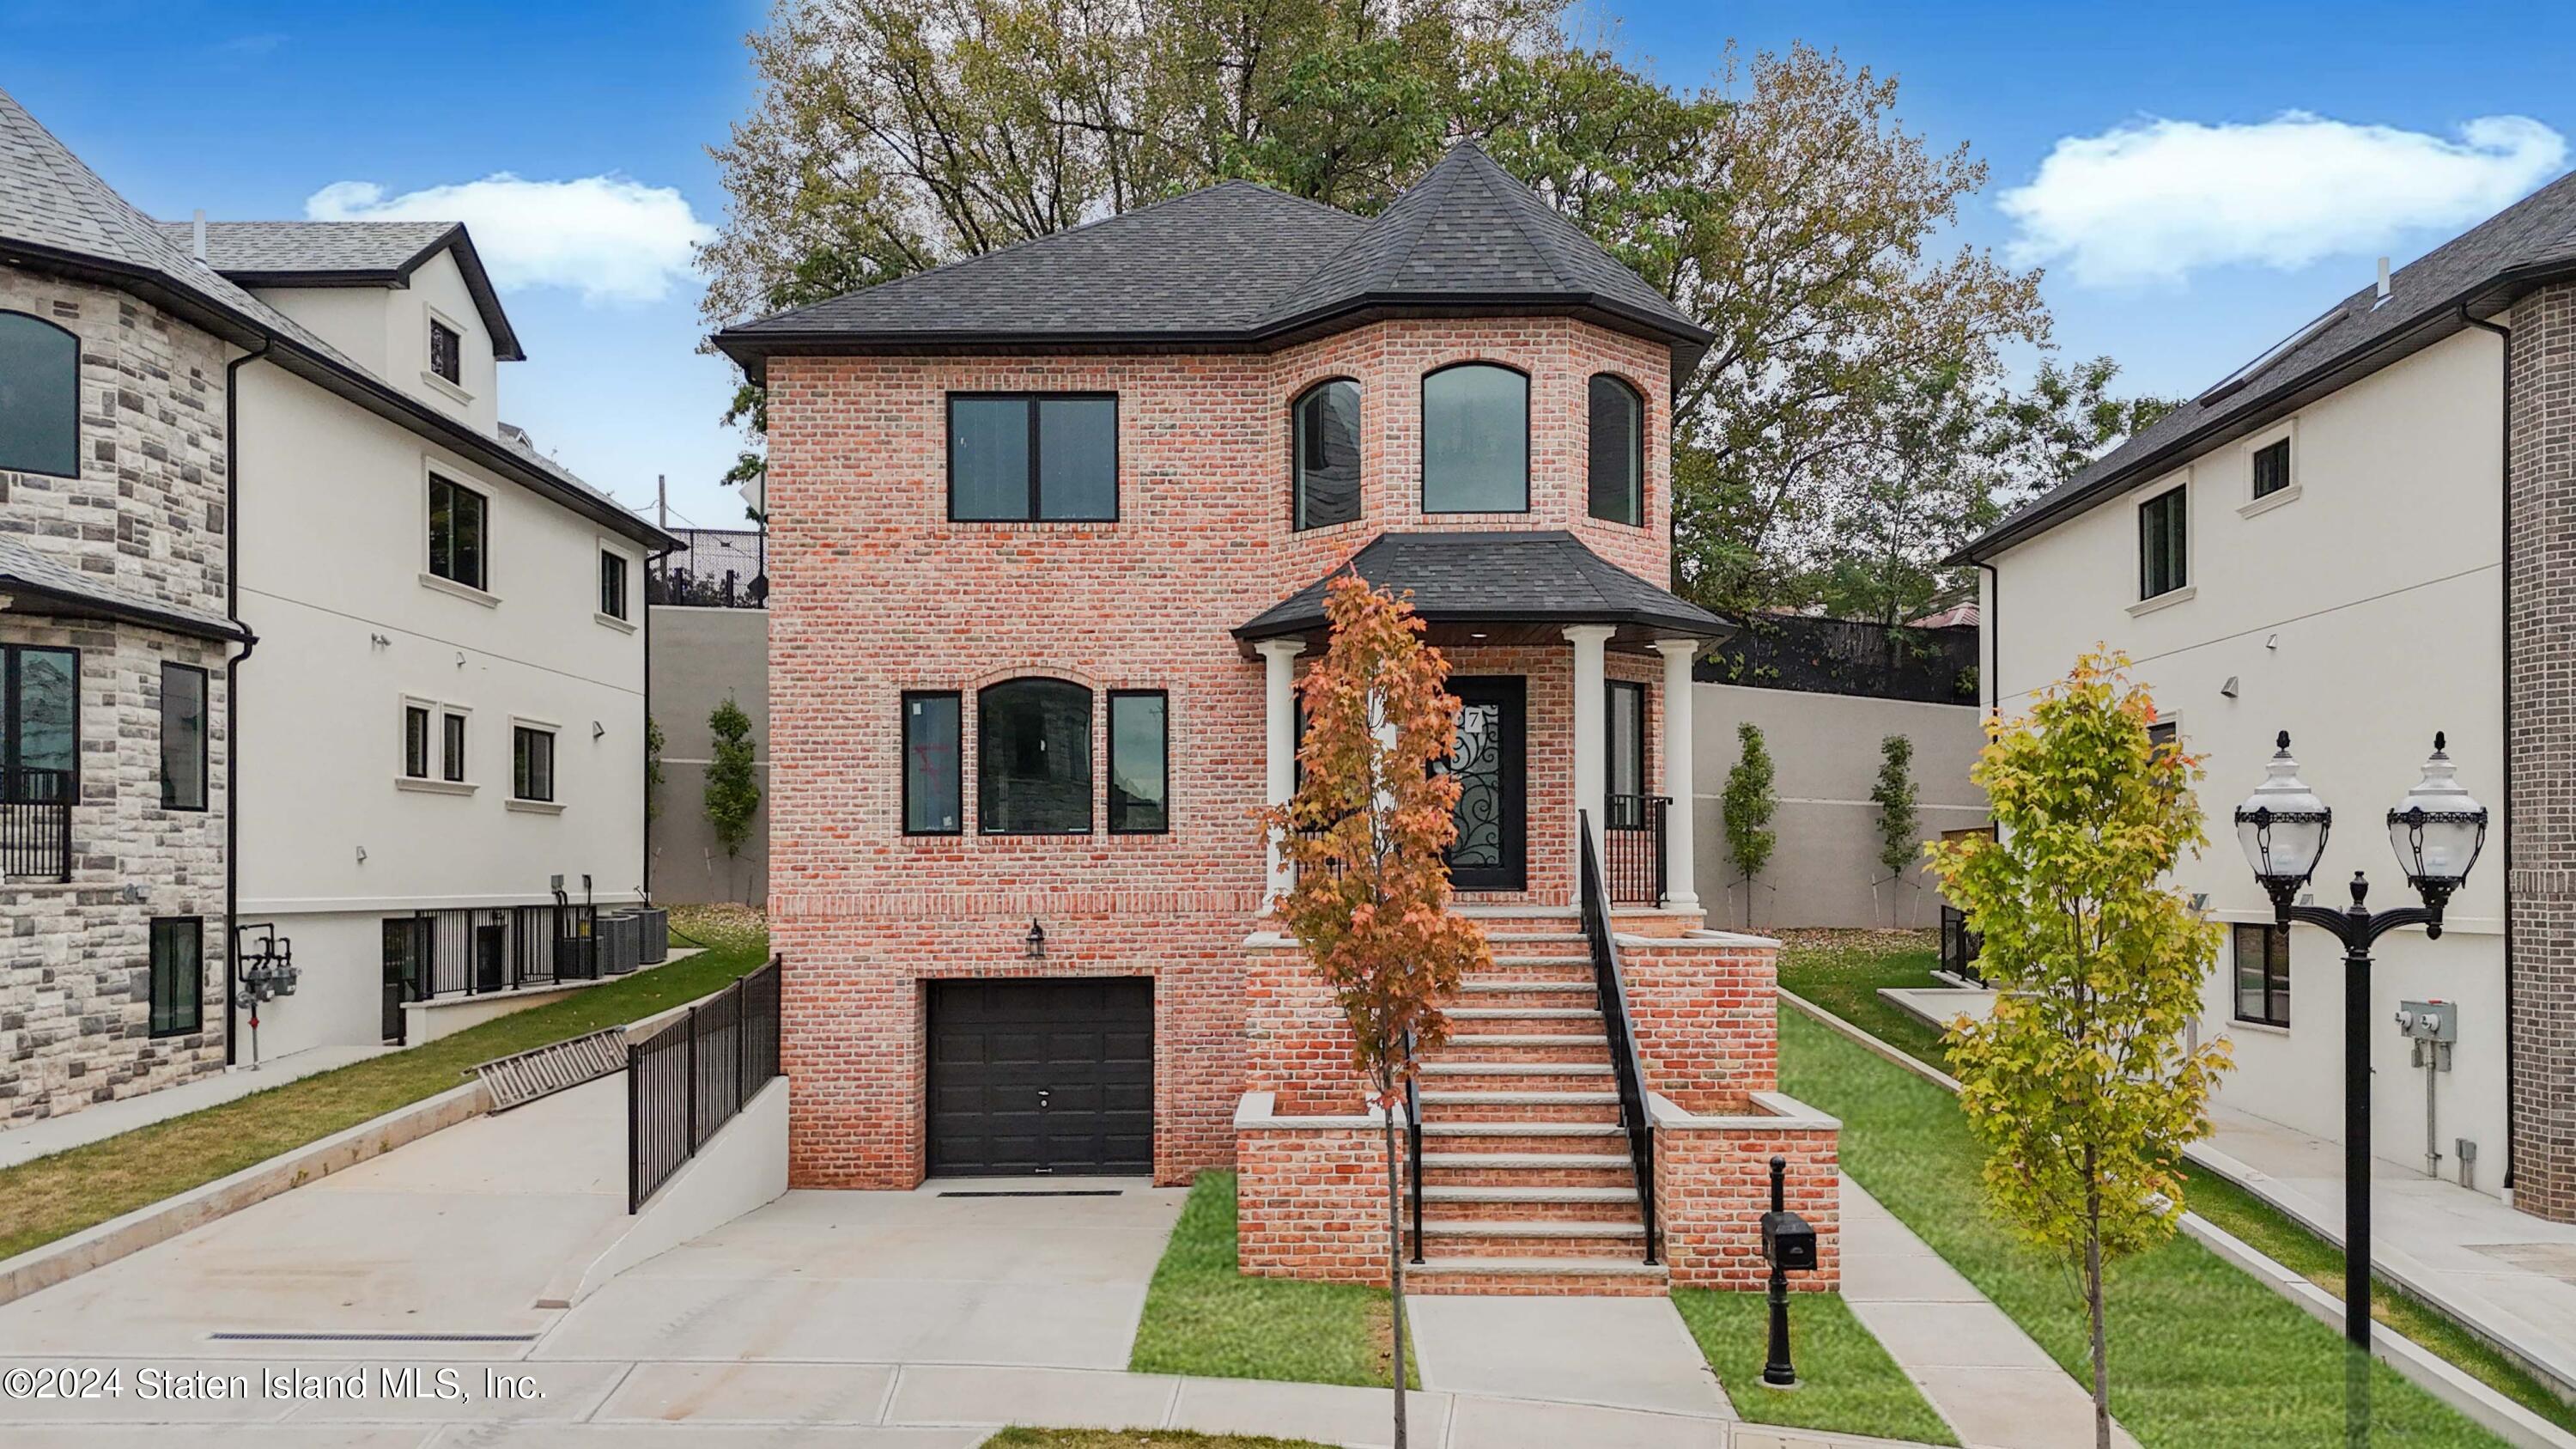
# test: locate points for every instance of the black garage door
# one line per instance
(1042, 1076)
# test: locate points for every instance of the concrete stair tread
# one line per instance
(1528, 1194)
(1534, 938)
(1491, 1161)
(1515, 1069)
(1569, 988)
(1524, 1098)
(1539, 1267)
(1527, 1039)
(1561, 958)
(1522, 1129)
(1530, 1228)
(1527, 1013)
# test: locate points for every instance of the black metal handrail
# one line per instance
(1413, 1131)
(1633, 839)
(1960, 947)
(1626, 1069)
(36, 824)
(687, 1080)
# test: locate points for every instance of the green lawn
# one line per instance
(1842, 972)
(1846, 1382)
(56, 1196)
(1136, 1439)
(2202, 1355)
(1203, 1317)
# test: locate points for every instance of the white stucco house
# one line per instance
(433, 704)
(2362, 537)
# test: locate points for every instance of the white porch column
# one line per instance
(1280, 658)
(1681, 861)
(1591, 736)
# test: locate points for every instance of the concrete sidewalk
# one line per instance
(45, 1136)
(1997, 1388)
(1631, 1353)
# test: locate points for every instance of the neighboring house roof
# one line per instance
(65, 590)
(57, 215)
(1241, 265)
(2475, 274)
(1545, 576)
(1956, 614)
(348, 254)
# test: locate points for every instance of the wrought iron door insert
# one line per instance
(1492, 770)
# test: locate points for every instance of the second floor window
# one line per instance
(2271, 468)
(456, 532)
(446, 351)
(183, 737)
(1026, 457)
(451, 747)
(1475, 440)
(39, 724)
(612, 584)
(532, 763)
(1033, 758)
(1618, 451)
(2164, 557)
(416, 741)
(39, 397)
(1325, 423)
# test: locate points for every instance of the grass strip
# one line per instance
(1204, 1317)
(1136, 1439)
(2202, 1355)
(55, 1196)
(1847, 1384)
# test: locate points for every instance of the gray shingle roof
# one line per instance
(1544, 576)
(340, 253)
(24, 570)
(1242, 264)
(2481, 270)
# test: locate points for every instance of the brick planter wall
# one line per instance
(1704, 1010)
(1310, 1200)
(1713, 1183)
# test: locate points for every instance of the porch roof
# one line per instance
(1534, 577)
(37, 584)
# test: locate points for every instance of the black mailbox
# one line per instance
(1787, 1242)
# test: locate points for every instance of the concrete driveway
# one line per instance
(936, 1276)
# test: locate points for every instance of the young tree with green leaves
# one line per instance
(2083, 1086)
(1898, 821)
(653, 743)
(1747, 808)
(1367, 835)
(733, 778)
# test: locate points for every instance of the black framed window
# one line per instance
(2164, 550)
(457, 528)
(532, 763)
(934, 790)
(178, 968)
(1140, 762)
(183, 737)
(39, 723)
(1617, 444)
(2262, 974)
(1033, 758)
(612, 583)
(1627, 719)
(451, 747)
(416, 741)
(1324, 424)
(446, 352)
(39, 397)
(1475, 439)
(2271, 468)
(1015, 457)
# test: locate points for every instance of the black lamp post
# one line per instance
(2437, 831)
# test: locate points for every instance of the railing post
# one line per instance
(693, 1082)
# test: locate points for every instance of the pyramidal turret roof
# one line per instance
(1239, 264)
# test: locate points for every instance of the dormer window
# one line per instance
(446, 352)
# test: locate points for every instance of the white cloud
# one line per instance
(614, 239)
(2158, 199)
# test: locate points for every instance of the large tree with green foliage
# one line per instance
(2083, 1086)
(1782, 204)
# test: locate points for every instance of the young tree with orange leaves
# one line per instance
(1367, 835)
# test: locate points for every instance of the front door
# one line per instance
(405, 938)
(491, 950)
(1491, 768)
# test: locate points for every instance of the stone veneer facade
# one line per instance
(147, 517)
(875, 592)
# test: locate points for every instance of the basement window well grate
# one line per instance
(1040, 1192)
(372, 1337)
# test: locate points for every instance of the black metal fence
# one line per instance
(1838, 656)
(470, 952)
(687, 1080)
(1960, 946)
(36, 824)
(1633, 840)
(716, 568)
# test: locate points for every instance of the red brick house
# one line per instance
(1048, 533)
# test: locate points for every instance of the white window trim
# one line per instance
(2285, 430)
(634, 586)
(403, 777)
(462, 478)
(517, 801)
(429, 374)
(436, 781)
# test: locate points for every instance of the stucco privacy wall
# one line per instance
(2313, 606)
(700, 657)
(1824, 871)
(146, 515)
(874, 592)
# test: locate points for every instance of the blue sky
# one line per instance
(2142, 159)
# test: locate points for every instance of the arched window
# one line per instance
(39, 397)
(1033, 758)
(1618, 445)
(1475, 440)
(1325, 420)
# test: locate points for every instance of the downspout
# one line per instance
(1990, 623)
(2504, 335)
(232, 691)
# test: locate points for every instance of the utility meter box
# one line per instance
(2429, 1021)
